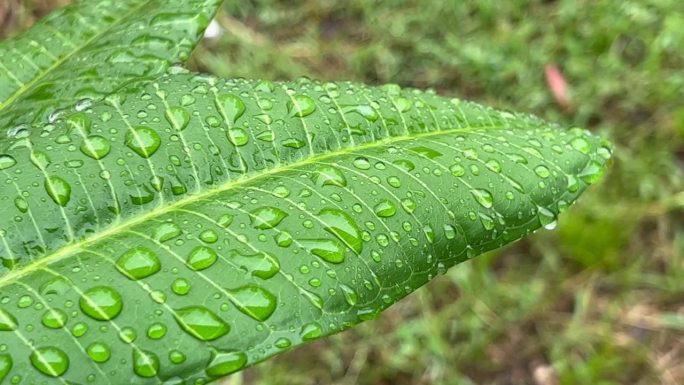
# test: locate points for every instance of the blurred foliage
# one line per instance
(598, 300)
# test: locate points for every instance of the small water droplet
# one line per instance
(385, 209)
(343, 227)
(54, 319)
(232, 105)
(311, 331)
(8, 322)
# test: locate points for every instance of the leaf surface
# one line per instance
(188, 227)
(85, 51)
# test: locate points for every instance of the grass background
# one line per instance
(599, 300)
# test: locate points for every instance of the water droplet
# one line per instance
(143, 140)
(128, 335)
(99, 352)
(101, 303)
(6, 161)
(50, 361)
(547, 218)
(238, 136)
(403, 104)
(385, 209)
(328, 249)
(95, 146)
(224, 363)
(178, 118)
(8, 322)
(167, 231)
(225, 220)
(343, 227)
(284, 239)
(5, 365)
(201, 258)
(591, 173)
(260, 265)
(311, 331)
(267, 217)
(254, 301)
(145, 363)
(542, 171)
(328, 176)
(177, 357)
(138, 263)
(361, 163)
(156, 331)
(59, 190)
(483, 197)
(201, 323)
(233, 107)
(494, 165)
(408, 204)
(301, 106)
(581, 145)
(54, 319)
(209, 236)
(282, 343)
(350, 295)
(181, 286)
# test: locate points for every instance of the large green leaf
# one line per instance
(83, 52)
(188, 227)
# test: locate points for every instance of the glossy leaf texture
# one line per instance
(189, 227)
(83, 52)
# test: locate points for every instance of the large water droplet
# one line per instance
(99, 352)
(145, 363)
(542, 171)
(224, 363)
(328, 249)
(350, 295)
(101, 303)
(6, 161)
(343, 227)
(201, 323)
(301, 106)
(54, 319)
(167, 231)
(59, 190)
(581, 145)
(260, 265)
(483, 197)
(232, 105)
(138, 263)
(267, 217)
(5, 365)
(50, 361)
(254, 301)
(238, 136)
(547, 218)
(8, 322)
(178, 117)
(385, 209)
(311, 331)
(143, 140)
(95, 146)
(328, 176)
(591, 173)
(201, 258)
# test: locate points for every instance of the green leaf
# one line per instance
(188, 227)
(83, 52)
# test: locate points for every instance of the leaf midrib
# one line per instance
(26, 87)
(67, 250)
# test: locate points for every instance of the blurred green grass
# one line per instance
(600, 300)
